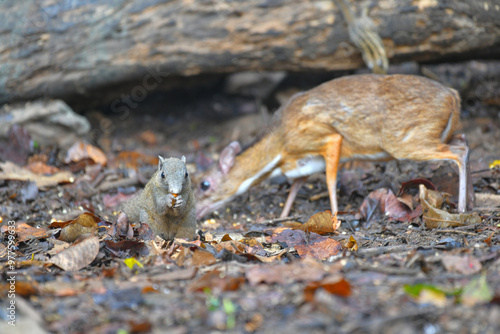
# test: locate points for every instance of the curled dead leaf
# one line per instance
(73, 229)
(350, 244)
(383, 203)
(437, 218)
(81, 151)
(77, 256)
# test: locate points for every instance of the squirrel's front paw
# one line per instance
(174, 200)
(178, 202)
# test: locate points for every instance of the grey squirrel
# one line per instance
(167, 203)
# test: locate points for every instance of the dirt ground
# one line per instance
(252, 272)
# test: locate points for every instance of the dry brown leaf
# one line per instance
(11, 171)
(133, 159)
(216, 281)
(287, 235)
(81, 151)
(26, 232)
(77, 256)
(23, 288)
(254, 323)
(202, 258)
(183, 256)
(113, 201)
(382, 203)
(149, 137)
(126, 248)
(320, 249)
(436, 218)
(307, 245)
(139, 326)
(350, 244)
(335, 284)
(467, 265)
(59, 246)
(232, 246)
(83, 224)
(321, 223)
(41, 168)
(63, 289)
(3, 251)
(176, 275)
(304, 271)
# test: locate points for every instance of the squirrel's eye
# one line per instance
(204, 185)
(162, 175)
(186, 176)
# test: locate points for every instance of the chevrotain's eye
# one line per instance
(204, 185)
(162, 175)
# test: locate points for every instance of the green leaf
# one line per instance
(476, 291)
(212, 302)
(416, 289)
(230, 309)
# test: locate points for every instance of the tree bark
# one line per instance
(67, 49)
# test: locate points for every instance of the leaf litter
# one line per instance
(404, 251)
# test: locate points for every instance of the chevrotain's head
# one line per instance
(214, 188)
(172, 174)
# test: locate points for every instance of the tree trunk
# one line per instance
(68, 49)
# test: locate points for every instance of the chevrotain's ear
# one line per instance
(160, 161)
(183, 159)
(228, 155)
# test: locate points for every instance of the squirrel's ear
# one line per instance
(183, 159)
(228, 155)
(160, 161)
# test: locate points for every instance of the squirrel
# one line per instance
(363, 34)
(167, 203)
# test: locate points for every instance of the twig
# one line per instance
(455, 231)
(316, 197)
(480, 171)
(108, 185)
(389, 270)
(275, 221)
(365, 252)
(468, 227)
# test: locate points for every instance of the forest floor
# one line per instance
(251, 272)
